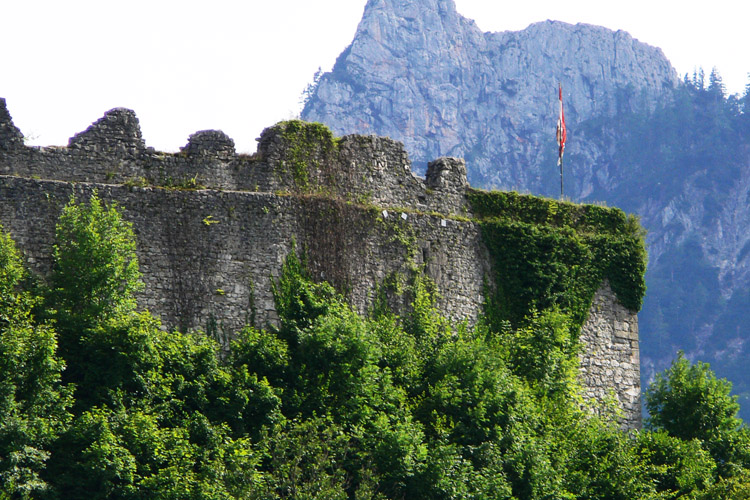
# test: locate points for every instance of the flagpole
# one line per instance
(561, 138)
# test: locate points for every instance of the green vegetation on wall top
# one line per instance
(305, 143)
(547, 254)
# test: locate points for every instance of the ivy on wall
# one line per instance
(304, 145)
(547, 254)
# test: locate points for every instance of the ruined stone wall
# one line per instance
(211, 254)
(610, 360)
(213, 228)
(357, 168)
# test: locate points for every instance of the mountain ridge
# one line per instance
(456, 63)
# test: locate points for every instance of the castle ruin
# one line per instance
(213, 227)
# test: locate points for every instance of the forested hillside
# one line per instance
(97, 401)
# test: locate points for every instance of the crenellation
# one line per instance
(10, 137)
(292, 156)
(213, 227)
(116, 135)
(448, 177)
(210, 143)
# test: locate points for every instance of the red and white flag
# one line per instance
(562, 133)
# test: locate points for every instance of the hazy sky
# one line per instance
(240, 66)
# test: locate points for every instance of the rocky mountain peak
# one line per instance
(421, 73)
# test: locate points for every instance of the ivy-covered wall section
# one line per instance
(546, 254)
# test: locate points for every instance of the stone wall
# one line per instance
(610, 359)
(203, 252)
(213, 227)
(358, 168)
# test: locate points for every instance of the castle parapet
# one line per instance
(212, 143)
(117, 134)
(305, 157)
(447, 176)
(293, 156)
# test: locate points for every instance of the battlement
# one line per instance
(292, 156)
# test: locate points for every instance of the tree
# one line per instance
(309, 93)
(95, 273)
(716, 85)
(745, 107)
(677, 467)
(688, 401)
(33, 403)
(543, 353)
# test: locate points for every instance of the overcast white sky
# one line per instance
(239, 66)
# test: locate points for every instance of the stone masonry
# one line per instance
(213, 228)
(610, 365)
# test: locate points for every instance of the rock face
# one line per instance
(421, 73)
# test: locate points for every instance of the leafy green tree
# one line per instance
(481, 421)
(733, 488)
(689, 402)
(599, 460)
(305, 460)
(299, 301)
(450, 474)
(95, 271)
(155, 412)
(676, 467)
(33, 402)
(329, 362)
(92, 461)
(544, 353)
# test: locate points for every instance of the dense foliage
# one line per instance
(548, 253)
(97, 401)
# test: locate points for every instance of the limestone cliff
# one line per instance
(421, 73)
